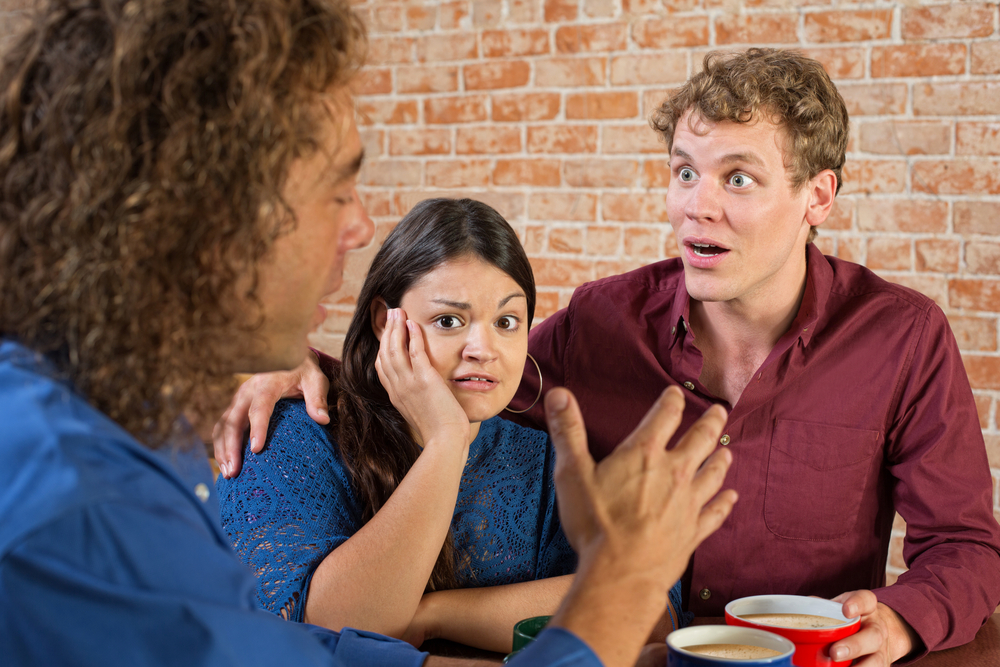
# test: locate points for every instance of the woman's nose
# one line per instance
(480, 344)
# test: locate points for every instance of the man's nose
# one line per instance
(360, 229)
(703, 202)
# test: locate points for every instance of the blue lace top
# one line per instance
(293, 504)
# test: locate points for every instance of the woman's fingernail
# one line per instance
(253, 444)
(323, 413)
(559, 401)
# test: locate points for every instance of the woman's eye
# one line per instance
(740, 180)
(686, 174)
(448, 322)
(507, 323)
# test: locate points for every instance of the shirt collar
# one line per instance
(819, 281)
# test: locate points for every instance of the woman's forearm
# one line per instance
(374, 580)
(485, 617)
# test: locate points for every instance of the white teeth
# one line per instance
(700, 248)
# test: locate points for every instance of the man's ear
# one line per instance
(822, 191)
(378, 311)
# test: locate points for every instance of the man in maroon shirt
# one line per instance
(847, 395)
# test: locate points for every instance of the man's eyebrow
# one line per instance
(350, 168)
(748, 158)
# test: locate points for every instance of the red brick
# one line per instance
(534, 239)
(506, 43)
(918, 60)
(427, 79)
(631, 139)
(874, 100)
(902, 215)
(928, 284)
(390, 50)
(975, 294)
(570, 72)
(391, 173)
(557, 11)
(463, 109)
(977, 217)
(870, 176)
(419, 142)
(581, 207)
(386, 19)
(963, 19)
(501, 74)
(603, 240)
(421, 17)
(903, 137)
(961, 176)
(601, 173)
(386, 111)
(671, 32)
(840, 62)
(508, 204)
(524, 11)
(566, 240)
(656, 174)
(888, 254)
(669, 67)
(841, 215)
(546, 304)
(455, 46)
(562, 272)
(984, 373)
(983, 405)
(373, 140)
(634, 207)
(451, 15)
(525, 106)
(851, 249)
(599, 8)
(670, 248)
(641, 6)
(956, 99)
(376, 202)
(848, 26)
(458, 173)
(937, 255)
(642, 242)
(602, 105)
(825, 244)
(756, 28)
(985, 58)
(982, 257)
(487, 140)
(606, 268)
(526, 172)
(591, 37)
(487, 13)
(372, 81)
(562, 139)
(973, 138)
(974, 333)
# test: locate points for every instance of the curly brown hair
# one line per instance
(144, 146)
(793, 91)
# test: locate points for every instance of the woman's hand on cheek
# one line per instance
(415, 387)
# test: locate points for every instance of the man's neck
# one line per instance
(735, 337)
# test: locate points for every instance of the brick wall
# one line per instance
(539, 108)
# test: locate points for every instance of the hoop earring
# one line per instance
(540, 381)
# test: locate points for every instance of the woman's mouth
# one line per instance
(707, 250)
(476, 382)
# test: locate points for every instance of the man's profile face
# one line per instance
(740, 226)
(306, 263)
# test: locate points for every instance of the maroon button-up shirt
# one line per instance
(863, 407)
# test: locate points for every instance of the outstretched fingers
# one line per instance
(574, 469)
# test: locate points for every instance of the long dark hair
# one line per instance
(374, 438)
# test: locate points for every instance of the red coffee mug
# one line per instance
(812, 645)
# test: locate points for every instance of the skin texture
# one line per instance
(307, 262)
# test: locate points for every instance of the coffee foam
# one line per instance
(797, 621)
(733, 651)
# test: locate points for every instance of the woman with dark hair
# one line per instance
(417, 512)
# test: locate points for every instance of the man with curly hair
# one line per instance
(847, 397)
(177, 193)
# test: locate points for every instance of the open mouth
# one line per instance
(706, 250)
(473, 378)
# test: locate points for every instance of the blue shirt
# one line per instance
(294, 503)
(112, 554)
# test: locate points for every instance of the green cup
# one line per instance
(525, 632)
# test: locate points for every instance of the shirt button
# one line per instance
(704, 594)
(201, 490)
(724, 440)
(689, 385)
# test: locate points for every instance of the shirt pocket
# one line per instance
(816, 479)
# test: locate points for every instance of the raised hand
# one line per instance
(415, 387)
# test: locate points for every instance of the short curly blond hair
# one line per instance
(140, 142)
(793, 91)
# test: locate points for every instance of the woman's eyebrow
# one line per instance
(458, 305)
(513, 295)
